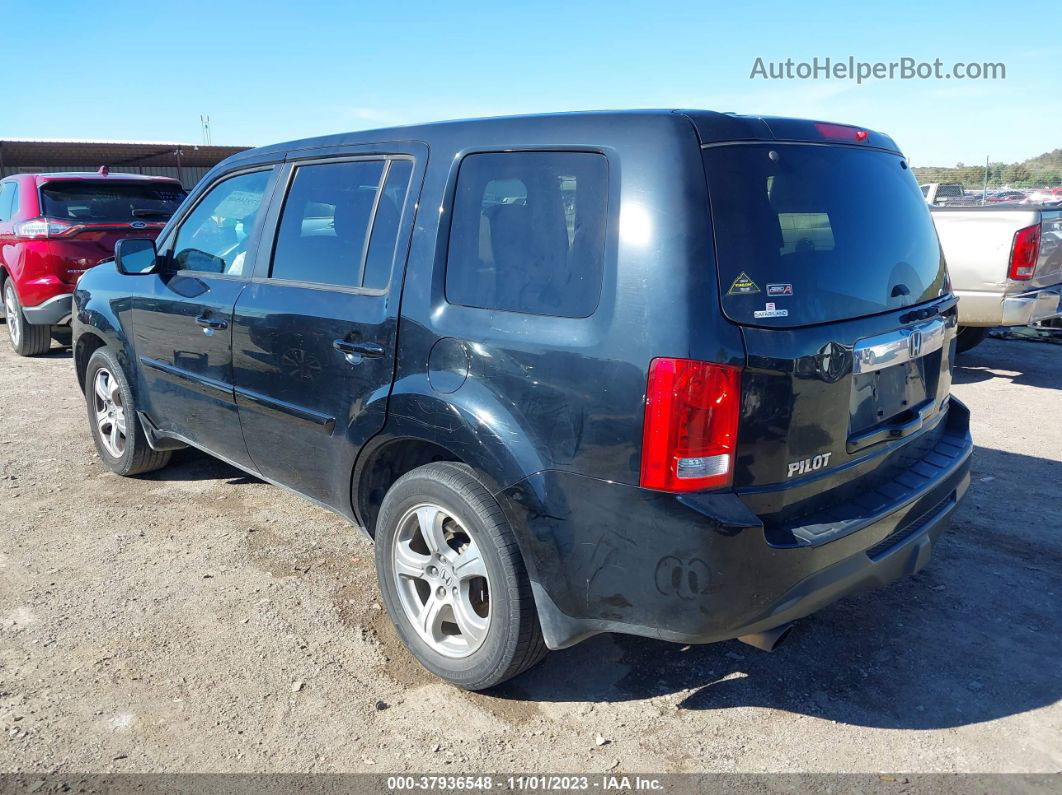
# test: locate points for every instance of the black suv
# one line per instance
(675, 373)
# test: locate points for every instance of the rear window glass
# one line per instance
(100, 202)
(812, 234)
(528, 233)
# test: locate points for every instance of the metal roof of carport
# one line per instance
(15, 153)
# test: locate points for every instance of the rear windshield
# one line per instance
(101, 202)
(811, 234)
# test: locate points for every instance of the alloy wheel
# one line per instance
(11, 314)
(442, 580)
(110, 413)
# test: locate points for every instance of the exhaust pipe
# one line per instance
(770, 639)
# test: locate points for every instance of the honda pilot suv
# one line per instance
(676, 374)
(54, 227)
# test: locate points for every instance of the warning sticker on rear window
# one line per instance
(743, 285)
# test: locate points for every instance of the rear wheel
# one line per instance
(969, 337)
(120, 441)
(27, 339)
(452, 578)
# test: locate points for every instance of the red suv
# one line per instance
(54, 227)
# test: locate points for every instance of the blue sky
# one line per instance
(266, 71)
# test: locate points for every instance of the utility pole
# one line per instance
(204, 120)
(984, 193)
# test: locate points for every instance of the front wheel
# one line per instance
(27, 339)
(453, 580)
(120, 441)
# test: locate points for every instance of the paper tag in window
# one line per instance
(770, 311)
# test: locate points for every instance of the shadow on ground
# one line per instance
(972, 638)
(1018, 361)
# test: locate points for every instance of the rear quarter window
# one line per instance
(528, 233)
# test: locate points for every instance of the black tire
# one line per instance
(513, 641)
(969, 337)
(136, 456)
(27, 339)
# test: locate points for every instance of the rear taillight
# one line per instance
(1024, 253)
(44, 227)
(690, 431)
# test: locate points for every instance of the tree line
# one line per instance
(1042, 171)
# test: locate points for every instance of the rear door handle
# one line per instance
(209, 322)
(366, 350)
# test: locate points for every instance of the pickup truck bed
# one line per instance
(978, 245)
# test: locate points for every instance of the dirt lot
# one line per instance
(200, 620)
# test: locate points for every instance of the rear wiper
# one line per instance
(145, 213)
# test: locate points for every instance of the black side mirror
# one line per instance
(135, 257)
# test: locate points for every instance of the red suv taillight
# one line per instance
(1024, 253)
(690, 431)
(39, 228)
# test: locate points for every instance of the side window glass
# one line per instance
(7, 193)
(325, 222)
(215, 236)
(384, 240)
(528, 232)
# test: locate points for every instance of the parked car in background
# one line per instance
(564, 390)
(1005, 264)
(1043, 196)
(944, 193)
(54, 227)
(1006, 196)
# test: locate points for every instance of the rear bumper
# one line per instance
(52, 312)
(990, 309)
(607, 557)
(1032, 307)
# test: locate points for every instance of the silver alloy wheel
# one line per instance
(442, 581)
(110, 413)
(11, 313)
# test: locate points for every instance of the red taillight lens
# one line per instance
(39, 228)
(1024, 253)
(691, 419)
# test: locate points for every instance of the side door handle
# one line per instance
(208, 322)
(356, 351)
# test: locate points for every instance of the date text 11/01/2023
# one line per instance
(521, 783)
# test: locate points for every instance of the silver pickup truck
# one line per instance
(1005, 264)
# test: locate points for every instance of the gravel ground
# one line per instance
(200, 620)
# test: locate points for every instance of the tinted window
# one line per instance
(215, 236)
(324, 223)
(384, 239)
(528, 232)
(7, 195)
(821, 233)
(97, 202)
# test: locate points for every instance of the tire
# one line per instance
(27, 339)
(969, 337)
(462, 645)
(120, 440)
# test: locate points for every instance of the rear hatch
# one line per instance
(829, 262)
(87, 217)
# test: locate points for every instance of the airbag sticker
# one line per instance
(770, 311)
(743, 285)
(779, 289)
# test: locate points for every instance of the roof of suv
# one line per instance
(711, 127)
(95, 175)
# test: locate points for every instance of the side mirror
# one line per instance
(135, 257)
